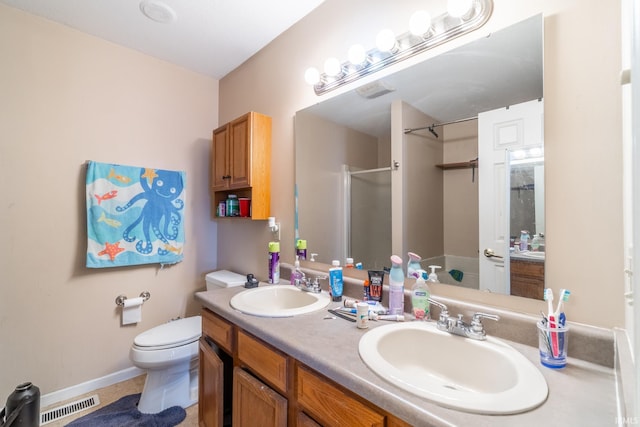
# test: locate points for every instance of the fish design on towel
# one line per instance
(122, 179)
(106, 196)
(134, 215)
(110, 222)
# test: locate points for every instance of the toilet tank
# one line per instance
(224, 279)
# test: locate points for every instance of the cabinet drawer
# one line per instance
(330, 406)
(218, 329)
(265, 362)
(535, 269)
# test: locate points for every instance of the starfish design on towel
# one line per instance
(150, 174)
(111, 249)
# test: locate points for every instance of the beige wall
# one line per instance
(422, 188)
(460, 191)
(582, 134)
(327, 147)
(66, 98)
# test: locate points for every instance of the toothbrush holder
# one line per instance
(553, 343)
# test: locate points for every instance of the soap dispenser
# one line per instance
(413, 265)
(420, 297)
(433, 277)
(296, 275)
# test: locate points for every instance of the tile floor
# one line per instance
(112, 393)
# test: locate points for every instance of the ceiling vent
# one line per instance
(374, 89)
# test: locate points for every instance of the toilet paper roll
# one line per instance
(132, 310)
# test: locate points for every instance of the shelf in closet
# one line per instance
(459, 165)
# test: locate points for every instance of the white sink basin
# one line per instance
(529, 254)
(278, 301)
(485, 377)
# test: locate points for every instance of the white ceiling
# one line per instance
(211, 37)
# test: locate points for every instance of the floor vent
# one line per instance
(69, 409)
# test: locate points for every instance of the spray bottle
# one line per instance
(396, 286)
(274, 262)
(413, 265)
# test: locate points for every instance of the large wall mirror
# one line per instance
(396, 166)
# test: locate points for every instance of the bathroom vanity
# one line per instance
(527, 277)
(306, 370)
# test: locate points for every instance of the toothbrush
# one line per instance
(548, 296)
(564, 297)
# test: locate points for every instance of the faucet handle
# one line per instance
(316, 283)
(476, 322)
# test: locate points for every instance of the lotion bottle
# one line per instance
(335, 280)
(396, 286)
(420, 297)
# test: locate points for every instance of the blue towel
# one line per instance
(134, 215)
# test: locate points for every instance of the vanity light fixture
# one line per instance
(425, 32)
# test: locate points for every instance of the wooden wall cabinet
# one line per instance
(527, 278)
(241, 163)
(271, 388)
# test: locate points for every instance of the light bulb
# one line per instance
(312, 76)
(332, 67)
(386, 40)
(356, 54)
(459, 8)
(420, 22)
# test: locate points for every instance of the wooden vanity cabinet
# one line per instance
(210, 387)
(241, 162)
(255, 404)
(331, 406)
(271, 388)
(527, 278)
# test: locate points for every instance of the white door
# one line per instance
(499, 131)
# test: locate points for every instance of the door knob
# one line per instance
(490, 254)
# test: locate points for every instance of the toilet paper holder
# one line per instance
(120, 298)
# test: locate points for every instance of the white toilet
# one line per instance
(169, 354)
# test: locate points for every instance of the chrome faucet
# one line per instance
(457, 326)
(310, 285)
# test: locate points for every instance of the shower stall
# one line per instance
(367, 225)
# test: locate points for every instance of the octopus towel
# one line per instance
(134, 215)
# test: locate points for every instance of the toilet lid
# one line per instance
(172, 334)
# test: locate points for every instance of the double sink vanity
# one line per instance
(284, 361)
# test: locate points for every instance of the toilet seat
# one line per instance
(176, 333)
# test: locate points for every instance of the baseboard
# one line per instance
(89, 386)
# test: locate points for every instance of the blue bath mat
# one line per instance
(124, 413)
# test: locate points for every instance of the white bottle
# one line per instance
(396, 286)
(433, 277)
